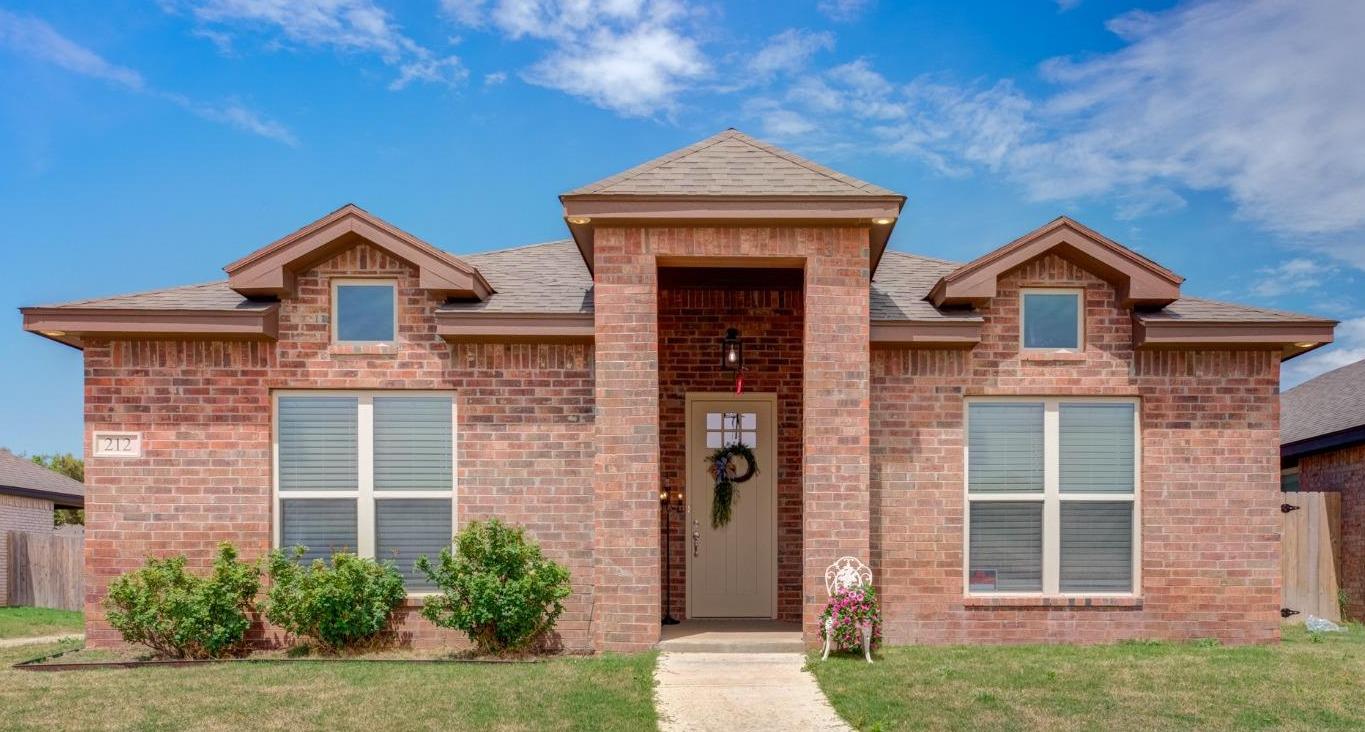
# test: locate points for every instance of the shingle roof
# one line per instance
(731, 164)
(24, 477)
(1332, 402)
(539, 278)
(206, 296)
(902, 283)
(1200, 310)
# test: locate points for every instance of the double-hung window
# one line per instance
(1052, 496)
(366, 472)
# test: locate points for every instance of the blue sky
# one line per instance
(146, 144)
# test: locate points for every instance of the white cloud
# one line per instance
(1348, 347)
(1260, 100)
(348, 26)
(1296, 275)
(1065, 5)
(633, 57)
(789, 51)
(844, 11)
(495, 78)
(36, 39)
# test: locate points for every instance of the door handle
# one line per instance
(696, 538)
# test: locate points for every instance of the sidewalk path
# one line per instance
(12, 642)
(697, 692)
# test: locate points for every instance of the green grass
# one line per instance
(26, 622)
(600, 693)
(1302, 683)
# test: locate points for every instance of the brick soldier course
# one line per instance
(569, 363)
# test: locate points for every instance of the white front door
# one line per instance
(732, 571)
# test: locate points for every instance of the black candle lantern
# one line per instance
(732, 351)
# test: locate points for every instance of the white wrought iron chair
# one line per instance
(847, 573)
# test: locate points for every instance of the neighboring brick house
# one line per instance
(1050, 443)
(29, 493)
(1322, 448)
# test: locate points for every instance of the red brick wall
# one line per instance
(692, 322)
(1344, 471)
(1210, 436)
(525, 435)
(835, 459)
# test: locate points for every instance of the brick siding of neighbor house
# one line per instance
(524, 435)
(19, 513)
(1209, 491)
(1344, 471)
(835, 462)
(692, 322)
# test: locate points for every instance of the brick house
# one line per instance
(29, 495)
(1049, 443)
(1322, 449)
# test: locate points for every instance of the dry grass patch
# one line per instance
(1303, 683)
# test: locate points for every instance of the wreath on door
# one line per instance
(721, 465)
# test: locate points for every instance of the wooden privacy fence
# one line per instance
(1311, 555)
(45, 570)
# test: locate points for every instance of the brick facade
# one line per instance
(19, 513)
(1343, 471)
(692, 322)
(204, 410)
(1209, 500)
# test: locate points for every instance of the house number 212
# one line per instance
(118, 444)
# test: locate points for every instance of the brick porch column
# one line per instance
(836, 460)
(626, 469)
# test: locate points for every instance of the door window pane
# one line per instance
(365, 312)
(1097, 547)
(1006, 547)
(1051, 320)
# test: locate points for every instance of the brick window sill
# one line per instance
(1077, 603)
(1052, 356)
(378, 349)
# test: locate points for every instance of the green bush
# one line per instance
(341, 605)
(182, 615)
(496, 587)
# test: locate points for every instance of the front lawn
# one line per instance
(1302, 683)
(27, 622)
(606, 693)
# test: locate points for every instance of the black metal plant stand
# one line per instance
(667, 499)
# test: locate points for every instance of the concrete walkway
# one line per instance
(740, 691)
(12, 642)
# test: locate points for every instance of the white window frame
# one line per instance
(365, 495)
(338, 282)
(1078, 293)
(1052, 497)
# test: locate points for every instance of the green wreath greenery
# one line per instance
(722, 468)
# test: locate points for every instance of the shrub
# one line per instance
(339, 605)
(182, 615)
(495, 586)
(852, 608)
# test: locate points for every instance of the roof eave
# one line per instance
(1292, 338)
(60, 499)
(70, 325)
(1323, 443)
(476, 327)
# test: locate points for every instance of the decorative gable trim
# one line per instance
(1140, 282)
(270, 271)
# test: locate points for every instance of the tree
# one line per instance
(73, 468)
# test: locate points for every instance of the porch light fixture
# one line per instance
(579, 220)
(882, 222)
(1305, 345)
(732, 351)
(54, 333)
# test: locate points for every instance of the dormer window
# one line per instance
(1051, 320)
(364, 311)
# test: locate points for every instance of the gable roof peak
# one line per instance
(730, 163)
(270, 270)
(1141, 281)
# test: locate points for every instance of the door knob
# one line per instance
(696, 538)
